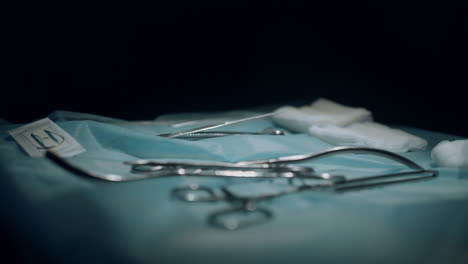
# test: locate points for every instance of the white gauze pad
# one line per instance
(321, 111)
(451, 154)
(369, 134)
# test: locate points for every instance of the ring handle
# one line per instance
(195, 193)
(243, 216)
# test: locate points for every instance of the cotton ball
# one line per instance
(452, 154)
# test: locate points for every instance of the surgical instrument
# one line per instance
(334, 151)
(153, 165)
(204, 128)
(145, 169)
(247, 206)
(210, 134)
(266, 168)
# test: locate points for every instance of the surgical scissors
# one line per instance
(280, 164)
(263, 168)
(247, 206)
(146, 169)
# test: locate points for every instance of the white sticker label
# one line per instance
(38, 137)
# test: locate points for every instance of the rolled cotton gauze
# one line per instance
(451, 154)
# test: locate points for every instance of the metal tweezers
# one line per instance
(209, 127)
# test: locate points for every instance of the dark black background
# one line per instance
(407, 65)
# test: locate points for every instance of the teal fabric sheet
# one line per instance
(61, 217)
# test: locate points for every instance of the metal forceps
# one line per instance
(149, 169)
(159, 168)
(209, 127)
(246, 207)
(268, 168)
(210, 134)
(281, 167)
